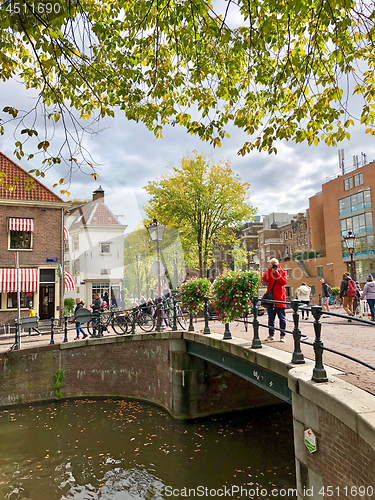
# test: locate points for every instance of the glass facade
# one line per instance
(354, 202)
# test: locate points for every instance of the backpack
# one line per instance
(104, 306)
(328, 290)
(352, 289)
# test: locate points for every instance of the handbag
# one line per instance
(268, 296)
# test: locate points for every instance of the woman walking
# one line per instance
(303, 296)
(79, 305)
(369, 294)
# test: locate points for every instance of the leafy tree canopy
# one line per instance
(205, 200)
(281, 69)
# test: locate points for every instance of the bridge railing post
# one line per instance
(52, 341)
(191, 326)
(206, 325)
(227, 334)
(159, 328)
(65, 328)
(319, 373)
(134, 319)
(174, 305)
(297, 357)
(100, 330)
(256, 344)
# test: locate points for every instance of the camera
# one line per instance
(274, 267)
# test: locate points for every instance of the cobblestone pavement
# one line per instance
(350, 338)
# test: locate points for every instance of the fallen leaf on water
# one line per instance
(38, 466)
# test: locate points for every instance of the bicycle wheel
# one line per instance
(146, 322)
(120, 325)
(181, 319)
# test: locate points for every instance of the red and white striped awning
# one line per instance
(66, 233)
(70, 284)
(28, 279)
(16, 224)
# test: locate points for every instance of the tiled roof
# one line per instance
(11, 170)
(93, 213)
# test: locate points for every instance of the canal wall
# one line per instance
(152, 367)
(159, 368)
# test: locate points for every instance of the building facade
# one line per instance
(94, 251)
(31, 225)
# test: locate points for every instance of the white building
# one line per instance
(94, 251)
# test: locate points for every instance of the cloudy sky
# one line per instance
(128, 156)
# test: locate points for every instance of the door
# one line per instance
(46, 301)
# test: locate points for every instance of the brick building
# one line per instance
(31, 223)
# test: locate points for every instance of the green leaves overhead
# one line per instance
(281, 69)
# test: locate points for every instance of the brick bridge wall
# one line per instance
(157, 370)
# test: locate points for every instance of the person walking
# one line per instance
(96, 307)
(369, 294)
(276, 279)
(326, 295)
(348, 291)
(303, 296)
(79, 329)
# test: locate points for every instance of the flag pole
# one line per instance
(18, 303)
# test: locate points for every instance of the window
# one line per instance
(285, 236)
(344, 205)
(291, 249)
(348, 183)
(319, 271)
(20, 240)
(356, 201)
(367, 197)
(289, 273)
(67, 266)
(358, 179)
(105, 272)
(101, 288)
(76, 266)
(369, 224)
(25, 299)
(47, 275)
(75, 243)
(290, 235)
(105, 248)
(66, 246)
(312, 290)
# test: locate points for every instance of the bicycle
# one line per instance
(107, 318)
(124, 321)
(180, 316)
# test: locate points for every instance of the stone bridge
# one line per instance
(193, 375)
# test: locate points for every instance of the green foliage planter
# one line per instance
(192, 293)
(233, 292)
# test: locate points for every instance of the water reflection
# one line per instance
(128, 450)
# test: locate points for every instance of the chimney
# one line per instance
(98, 195)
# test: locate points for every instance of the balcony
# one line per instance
(277, 241)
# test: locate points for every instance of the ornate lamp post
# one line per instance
(350, 243)
(156, 232)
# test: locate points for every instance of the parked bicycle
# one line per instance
(181, 316)
(107, 319)
(124, 321)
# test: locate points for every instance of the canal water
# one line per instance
(122, 450)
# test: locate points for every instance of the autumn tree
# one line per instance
(277, 69)
(205, 200)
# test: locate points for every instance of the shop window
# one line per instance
(26, 298)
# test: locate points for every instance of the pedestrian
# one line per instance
(276, 279)
(32, 314)
(348, 291)
(79, 329)
(369, 294)
(326, 295)
(96, 307)
(106, 300)
(357, 298)
(303, 296)
(158, 300)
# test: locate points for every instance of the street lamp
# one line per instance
(156, 232)
(350, 243)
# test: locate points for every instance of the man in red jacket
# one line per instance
(276, 273)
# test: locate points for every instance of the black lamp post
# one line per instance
(350, 243)
(156, 232)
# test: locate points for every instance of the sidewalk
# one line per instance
(351, 338)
